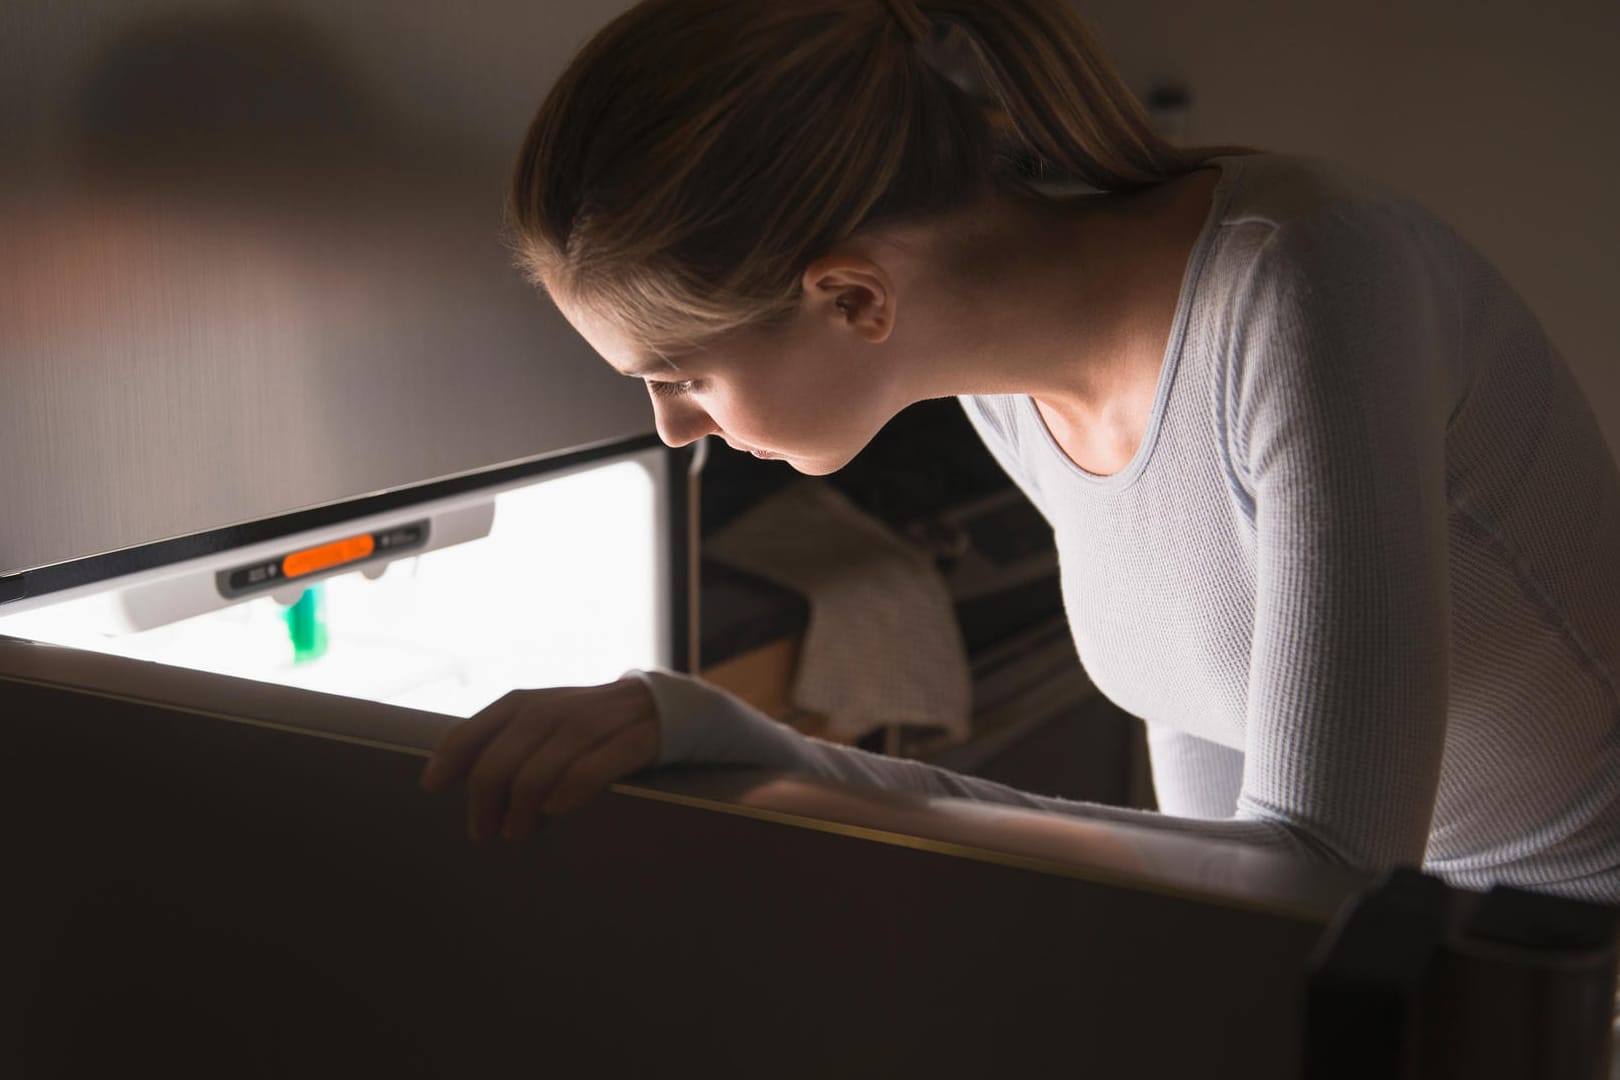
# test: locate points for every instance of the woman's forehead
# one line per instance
(612, 341)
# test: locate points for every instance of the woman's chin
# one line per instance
(818, 465)
(822, 466)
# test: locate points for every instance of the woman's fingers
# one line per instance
(534, 782)
(545, 751)
(631, 749)
(573, 744)
(488, 784)
(463, 743)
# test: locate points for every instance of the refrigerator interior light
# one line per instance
(556, 582)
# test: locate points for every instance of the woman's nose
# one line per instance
(681, 422)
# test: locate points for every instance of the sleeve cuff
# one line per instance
(700, 723)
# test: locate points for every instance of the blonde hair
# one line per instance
(698, 155)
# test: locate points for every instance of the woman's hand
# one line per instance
(537, 752)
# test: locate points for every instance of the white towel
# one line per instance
(883, 645)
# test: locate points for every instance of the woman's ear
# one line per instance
(851, 293)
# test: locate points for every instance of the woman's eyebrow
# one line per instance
(661, 365)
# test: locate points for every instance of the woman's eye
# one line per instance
(671, 389)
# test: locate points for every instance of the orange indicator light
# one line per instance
(326, 556)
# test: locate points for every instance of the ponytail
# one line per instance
(1062, 110)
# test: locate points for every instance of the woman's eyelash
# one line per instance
(671, 389)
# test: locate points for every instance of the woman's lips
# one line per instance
(763, 454)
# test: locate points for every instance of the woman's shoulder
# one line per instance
(1325, 211)
(1327, 271)
(1307, 242)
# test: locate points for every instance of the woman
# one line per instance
(1333, 518)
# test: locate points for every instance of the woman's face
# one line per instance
(812, 393)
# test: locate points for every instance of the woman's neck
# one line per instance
(1067, 301)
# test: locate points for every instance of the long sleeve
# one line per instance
(702, 724)
(1339, 403)
(1193, 777)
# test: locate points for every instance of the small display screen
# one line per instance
(273, 573)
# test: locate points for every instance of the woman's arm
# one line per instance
(704, 725)
(1339, 400)
(1194, 777)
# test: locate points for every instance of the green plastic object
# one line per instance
(306, 625)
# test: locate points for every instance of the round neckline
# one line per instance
(1228, 166)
